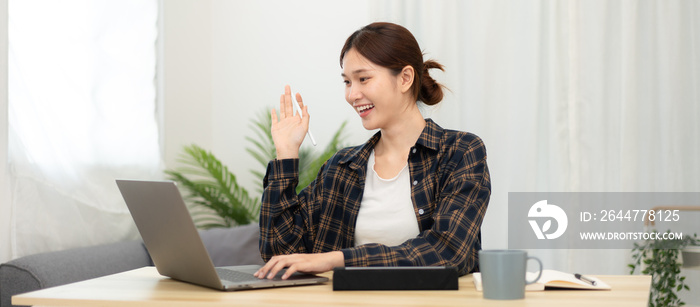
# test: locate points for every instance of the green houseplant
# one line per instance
(211, 190)
(659, 258)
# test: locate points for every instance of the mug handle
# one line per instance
(527, 282)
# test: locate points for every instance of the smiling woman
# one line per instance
(415, 194)
(81, 113)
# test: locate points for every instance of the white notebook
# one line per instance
(552, 279)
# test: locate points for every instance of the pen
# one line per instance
(298, 109)
(588, 280)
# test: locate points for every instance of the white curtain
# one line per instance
(573, 95)
(82, 112)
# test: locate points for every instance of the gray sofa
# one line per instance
(226, 246)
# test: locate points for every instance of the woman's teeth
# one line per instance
(364, 107)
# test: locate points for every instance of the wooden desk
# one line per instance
(145, 287)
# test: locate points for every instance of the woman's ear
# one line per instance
(406, 78)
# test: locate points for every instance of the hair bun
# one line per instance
(430, 90)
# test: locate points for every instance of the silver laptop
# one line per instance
(175, 246)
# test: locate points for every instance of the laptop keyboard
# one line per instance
(235, 276)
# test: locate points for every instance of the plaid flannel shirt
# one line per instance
(450, 192)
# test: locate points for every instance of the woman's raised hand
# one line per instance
(289, 130)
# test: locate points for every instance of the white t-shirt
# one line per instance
(386, 213)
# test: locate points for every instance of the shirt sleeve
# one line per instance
(454, 238)
(284, 215)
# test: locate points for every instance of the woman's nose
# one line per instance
(352, 94)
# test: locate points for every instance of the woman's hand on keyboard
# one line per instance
(306, 263)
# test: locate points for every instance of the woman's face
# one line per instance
(372, 90)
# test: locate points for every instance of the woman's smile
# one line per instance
(364, 109)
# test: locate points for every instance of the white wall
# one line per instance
(225, 61)
(186, 79)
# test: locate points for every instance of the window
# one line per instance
(82, 112)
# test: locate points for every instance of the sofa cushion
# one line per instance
(233, 246)
(50, 269)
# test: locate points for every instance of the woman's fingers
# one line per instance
(290, 270)
(282, 106)
(286, 101)
(273, 116)
(301, 102)
(304, 110)
(262, 272)
(276, 269)
(271, 268)
(288, 108)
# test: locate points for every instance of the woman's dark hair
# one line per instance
(394, 47)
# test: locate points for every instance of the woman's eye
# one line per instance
(346, 82)
(363, 79)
